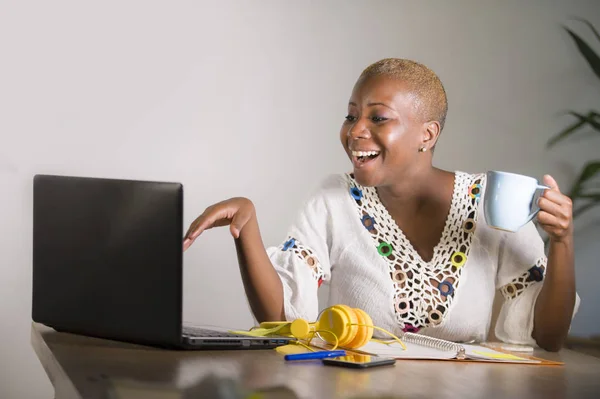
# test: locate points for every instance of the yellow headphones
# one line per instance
(338, 325)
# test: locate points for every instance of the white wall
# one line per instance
(247, 99)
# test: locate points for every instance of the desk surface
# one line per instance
(83, 367)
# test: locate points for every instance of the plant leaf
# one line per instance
(590, 118)
(566, 133)
(589, 24)
(583, 120)
(588, 53)
(590, 170)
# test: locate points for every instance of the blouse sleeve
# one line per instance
(302, 259)
(521, 272)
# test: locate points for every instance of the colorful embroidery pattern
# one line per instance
(306, 255)
(423, 291)
(534, 275)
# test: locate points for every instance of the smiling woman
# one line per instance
(403, 240)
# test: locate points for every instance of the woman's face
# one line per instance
(382, 134)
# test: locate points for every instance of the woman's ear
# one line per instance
(431, 133)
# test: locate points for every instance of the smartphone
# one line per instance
(358, 361)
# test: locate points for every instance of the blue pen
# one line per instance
(315, 355)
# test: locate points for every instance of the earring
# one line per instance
(423, 149)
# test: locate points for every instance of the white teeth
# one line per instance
(364, 153)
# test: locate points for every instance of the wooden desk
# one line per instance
(83, 367)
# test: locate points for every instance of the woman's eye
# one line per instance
(350, 118)
(378, 119)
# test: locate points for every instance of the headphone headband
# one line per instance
(346, 327)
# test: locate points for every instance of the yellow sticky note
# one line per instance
(291, 348)
(502, 356)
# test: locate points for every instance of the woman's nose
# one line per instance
(358, 130)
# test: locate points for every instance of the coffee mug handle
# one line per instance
(534, 203)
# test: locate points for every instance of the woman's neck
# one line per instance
(415, 190)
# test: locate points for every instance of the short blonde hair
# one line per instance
(431, 100)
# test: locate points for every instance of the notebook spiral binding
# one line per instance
(436, 343)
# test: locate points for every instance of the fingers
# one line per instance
(556, 210)
(213, 216)
(554, 226)
(546, 219)
(550, 182)
(235, 211)
(193, 226)
(554, 202)
(552, 206)
(556, 197)
(204, 221)
(187, 242)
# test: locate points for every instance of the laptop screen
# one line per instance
(107, 257)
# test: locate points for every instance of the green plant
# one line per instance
(585, 192)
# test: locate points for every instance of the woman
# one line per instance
(403, 240)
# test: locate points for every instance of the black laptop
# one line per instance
(107, 262)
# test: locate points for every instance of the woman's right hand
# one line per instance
(235, 212)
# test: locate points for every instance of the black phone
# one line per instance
(358, 361)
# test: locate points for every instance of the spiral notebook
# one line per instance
(422, 347)
(428, 348)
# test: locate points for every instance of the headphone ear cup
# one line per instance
(301, 328)
(336, 320)
(369, 322)
(364, 333)
(350, 327)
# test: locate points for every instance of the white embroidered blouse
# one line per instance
(345, 237)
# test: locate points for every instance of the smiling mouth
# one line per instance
(360, 158)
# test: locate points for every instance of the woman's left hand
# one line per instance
(556, 212)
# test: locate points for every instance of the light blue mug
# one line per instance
(510, 200)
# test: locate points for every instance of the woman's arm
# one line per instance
(556, 301)
(261, 282)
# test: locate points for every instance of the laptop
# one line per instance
(108, 260)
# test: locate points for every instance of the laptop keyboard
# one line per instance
(202, 332)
